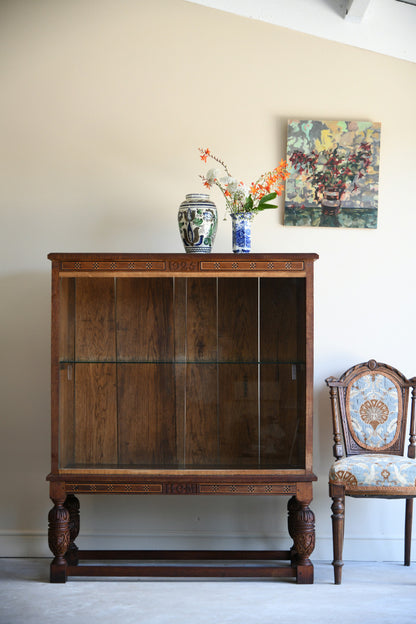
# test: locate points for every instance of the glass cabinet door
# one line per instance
(182, 372)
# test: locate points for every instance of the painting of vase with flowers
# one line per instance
(334, 170)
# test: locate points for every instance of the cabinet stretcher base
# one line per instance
(186, 563)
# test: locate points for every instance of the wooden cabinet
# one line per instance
(182, 374)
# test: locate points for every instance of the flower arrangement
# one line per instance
(333, 169)
(238, 198)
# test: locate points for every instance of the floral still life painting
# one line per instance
(334, 170)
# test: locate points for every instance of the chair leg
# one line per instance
(408, 531)
(338, 508)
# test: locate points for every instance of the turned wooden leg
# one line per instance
(72, 505)
(338, 509)
(304, 541)
(58, 538)
(408, 531)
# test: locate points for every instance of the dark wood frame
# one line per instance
(66, 483)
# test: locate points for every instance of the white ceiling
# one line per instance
(383, 26)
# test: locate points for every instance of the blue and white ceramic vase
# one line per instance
(198, 221)
(241, 224)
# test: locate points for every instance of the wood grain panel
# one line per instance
(180, 410)
(180, 339)
(146, 402)
(237, 319)
(95, 414)
(95, 319)
(67, 319)
(301, 319)
(282, 319)
(238, 414)
(298, 446)
(66, 415)
(201, 319)
(201, 425)
(280, 408)
(145, 319)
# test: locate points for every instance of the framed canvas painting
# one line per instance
(334, 169)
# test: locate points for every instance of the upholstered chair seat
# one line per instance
(369, 412)
(372, 475)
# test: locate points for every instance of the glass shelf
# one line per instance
(182, 362)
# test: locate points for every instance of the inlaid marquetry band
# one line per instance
(245, 265)
(230, 488)
(122, 265)
(180, 488)
(114, 488)
(181, 265)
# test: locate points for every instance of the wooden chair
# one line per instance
(369, 408)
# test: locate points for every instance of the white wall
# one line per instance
(103, 106)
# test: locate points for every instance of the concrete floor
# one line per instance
(383, 593)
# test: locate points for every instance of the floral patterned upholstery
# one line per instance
(374, 407)
(376, 474)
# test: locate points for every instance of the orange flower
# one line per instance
(205, 154)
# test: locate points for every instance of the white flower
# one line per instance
(212, 175)
(230, 183)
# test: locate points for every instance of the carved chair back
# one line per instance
(369, 407)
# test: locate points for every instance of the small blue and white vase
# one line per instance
(241, 224)
(198, 221)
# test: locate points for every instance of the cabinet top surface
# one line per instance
(65, 256)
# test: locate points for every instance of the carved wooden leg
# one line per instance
(304, 541)
(408, 531)
(72, 505)
(338, 509)
(58, 537)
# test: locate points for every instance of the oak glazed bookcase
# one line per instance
(181, 374)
